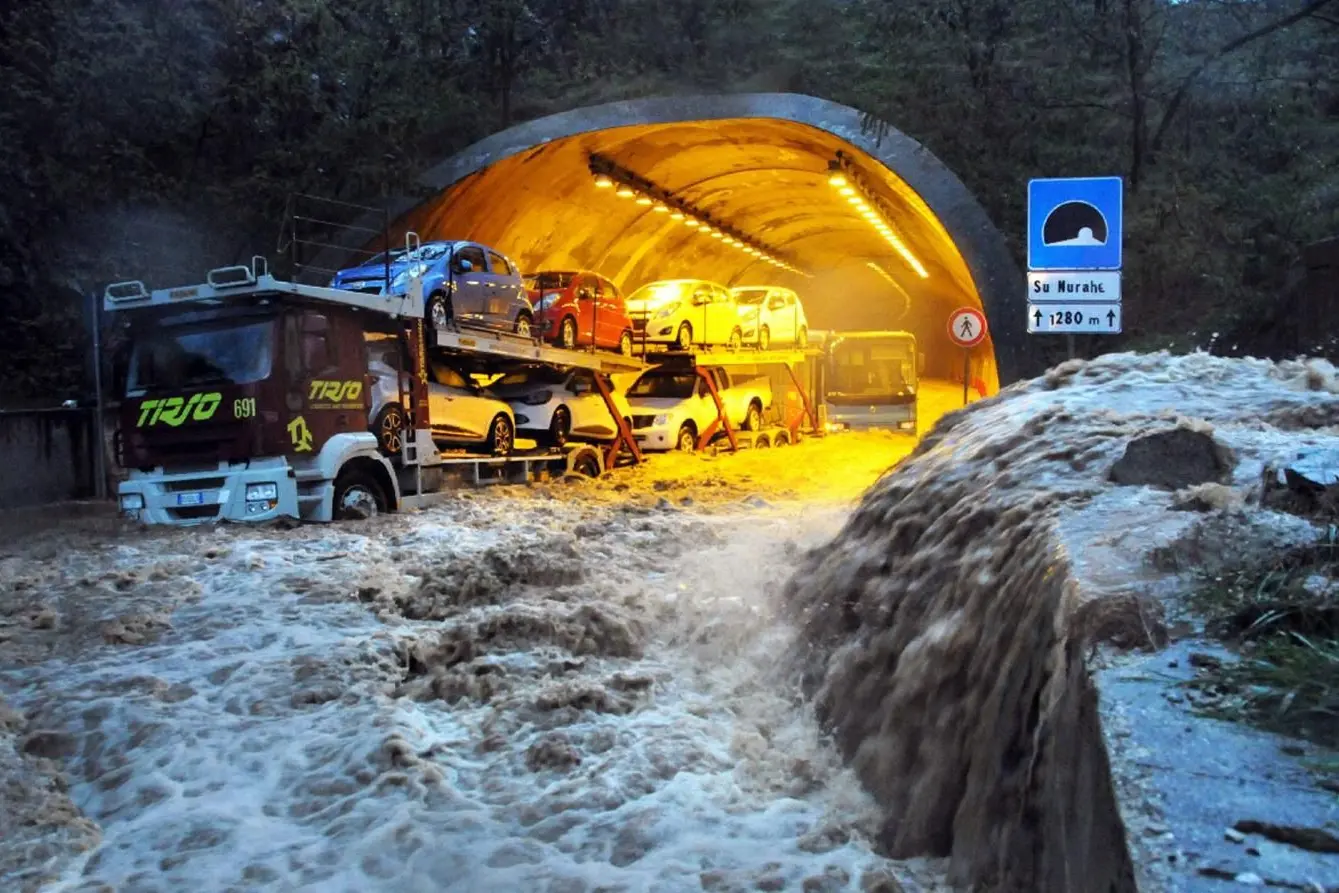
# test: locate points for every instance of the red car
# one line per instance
(576, 309)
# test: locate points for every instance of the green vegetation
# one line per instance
(1283, 616)
(155, 137)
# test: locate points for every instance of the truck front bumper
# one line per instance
(253, 491)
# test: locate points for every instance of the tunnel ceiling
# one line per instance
(759, 164)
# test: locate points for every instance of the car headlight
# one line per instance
(538, 398)
(668, 310)
(258, 492)
(660, 420)
(132, 502)
(404, 275)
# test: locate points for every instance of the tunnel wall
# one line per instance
(990, 270)
(45, 456)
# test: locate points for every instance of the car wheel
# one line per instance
(781, 439)
(560, 426)
(803, 338)
(625, 344)
(753, 421)
(389, 428)
(736, 339)
(764, 338)
(357, 496)
(439, 317)
(687, 440)
(684, 337)
(567, 333)
(523, 324)
(501, 437)
(587, 465)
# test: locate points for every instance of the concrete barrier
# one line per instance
(46, 455)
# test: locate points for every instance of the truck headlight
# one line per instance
(262, 492)
(660, 420)
(132, 502)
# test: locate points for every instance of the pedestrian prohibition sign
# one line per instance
(967, 327)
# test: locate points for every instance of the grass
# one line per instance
(1282, 617)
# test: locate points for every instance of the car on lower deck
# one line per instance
(771, 315)
(684, 313)
(460, 412)
(462, 281)
(578, 308)
(555, 405)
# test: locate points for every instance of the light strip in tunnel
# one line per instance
(630, 185)
(848, 182)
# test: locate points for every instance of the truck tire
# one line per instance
(687, 439)
(357, 497)
(753, 420)
(389, 429)
(501, 436)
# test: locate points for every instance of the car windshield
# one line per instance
(537, 375)
(174, 357)
(750, 295)
(546, 281)
(660, 292)
(425, 253)
(664, 384)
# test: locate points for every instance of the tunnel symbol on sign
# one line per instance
(1074, 223)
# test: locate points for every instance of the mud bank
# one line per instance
(945, 632)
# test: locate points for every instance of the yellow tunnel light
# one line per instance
(691, 222)
(643, 199)
(626, 192)
(661, 208)
(717, 234)
(847, 191)
(604, 181)
(676, 215)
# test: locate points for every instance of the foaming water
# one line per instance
(477, 697)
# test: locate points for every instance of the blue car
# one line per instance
(464, 281)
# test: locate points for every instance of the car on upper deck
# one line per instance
(465, 282)
(579, 308)
(771, 314)
(684, 313)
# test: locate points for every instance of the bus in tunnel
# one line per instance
(868, 380)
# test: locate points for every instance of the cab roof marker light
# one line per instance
(129, 290)
(231, 276)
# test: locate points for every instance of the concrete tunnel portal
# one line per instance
(614, 189)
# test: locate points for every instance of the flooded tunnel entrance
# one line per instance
(751, 189)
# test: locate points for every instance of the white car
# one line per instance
(685, 312)
(460, 412)
(555, 405)
(673, 408)
(771, 315)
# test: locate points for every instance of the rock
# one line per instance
(1305, 484)
(1234, 835)
(49, 744)
(1173, 460)
(771, 881)
(880, 880)
(1250, 879)
(1316, 840)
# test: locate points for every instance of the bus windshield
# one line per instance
(871, 370)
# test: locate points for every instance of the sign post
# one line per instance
(967, 328)
(1075, 229)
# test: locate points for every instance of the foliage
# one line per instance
(131, 126)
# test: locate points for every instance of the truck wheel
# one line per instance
(357, 496)
(736, 339)
(764, 338)
(684, 338)
(586, 465)
(625, 343)
(802, 339)
(753, 421)
(439, 315)
(389, 429)
(522, 326)
(781, 439)
(560, 426)
(567, 333)
(501, 438)
(687, 440)
(762, 443)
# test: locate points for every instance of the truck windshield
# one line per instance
(176, 357)
(870, 370)
(677, 385)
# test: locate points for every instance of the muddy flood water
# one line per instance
(575, 686)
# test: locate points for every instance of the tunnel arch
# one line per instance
(759, 162)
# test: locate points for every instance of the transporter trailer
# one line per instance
(248, 398)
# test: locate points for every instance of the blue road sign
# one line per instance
(1074, 224)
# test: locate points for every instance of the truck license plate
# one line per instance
(196, 498)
